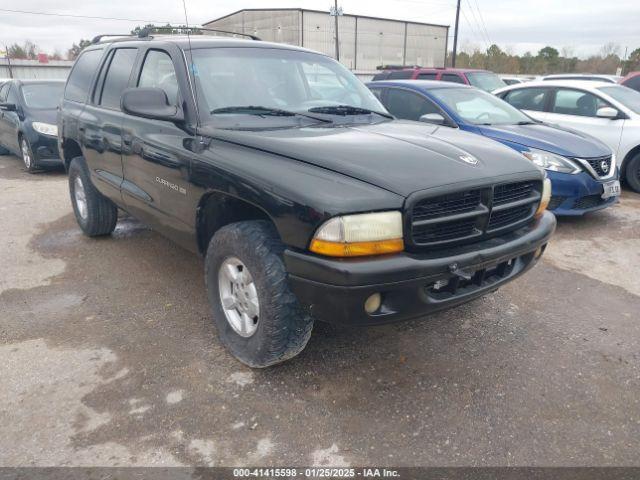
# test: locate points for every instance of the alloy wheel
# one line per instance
(239, 297)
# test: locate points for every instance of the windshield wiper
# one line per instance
(526, 122)
(347, 110)
(266, 111)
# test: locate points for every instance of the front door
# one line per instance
(577, 109)
(156, 156)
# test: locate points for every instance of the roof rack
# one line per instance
(97, 38)
(146, 32)
(396, 67)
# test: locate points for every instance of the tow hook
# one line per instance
(459, 272)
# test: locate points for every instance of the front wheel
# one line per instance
(257, 316)
(632, 173)
(27, 155)
(95, 213)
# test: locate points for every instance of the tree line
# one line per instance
(548, 60)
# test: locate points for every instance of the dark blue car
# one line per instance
(582, 169)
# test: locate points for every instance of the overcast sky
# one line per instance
(582, 25)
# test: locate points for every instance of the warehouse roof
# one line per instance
(320, 11)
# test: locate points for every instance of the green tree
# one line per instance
(76, 48)
(28, 50)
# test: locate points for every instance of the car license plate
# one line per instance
(611, 189)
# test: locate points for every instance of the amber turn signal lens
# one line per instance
(546, 197)
(356, 249)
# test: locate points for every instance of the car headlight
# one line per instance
(45, 128)
(359, 235)
(546, 197)
(551, 161)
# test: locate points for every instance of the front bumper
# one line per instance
(412, 284)
(573, 195)
(45, 150)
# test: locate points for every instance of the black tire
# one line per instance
(283, 327)
(632, 173)
(29, 161)
(101, 214)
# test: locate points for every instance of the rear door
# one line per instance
(531, 100)
(102, 121)
(575, 108)
(156, 156)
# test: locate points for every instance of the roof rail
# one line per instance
(97, 38)
(396, 67)
(146, 32)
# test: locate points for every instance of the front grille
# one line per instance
(472, 214)
(589, 201)
(511, 192)
(601, 165)
(506, 217)
(556, 201)
(450, 204)
(442, 232)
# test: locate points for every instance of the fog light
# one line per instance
(372, 304)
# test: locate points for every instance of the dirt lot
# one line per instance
(108, 356)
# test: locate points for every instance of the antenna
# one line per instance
(191, 70)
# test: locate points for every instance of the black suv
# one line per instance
(308, 200)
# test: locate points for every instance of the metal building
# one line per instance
(365, 42)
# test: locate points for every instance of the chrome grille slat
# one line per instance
(594, 166)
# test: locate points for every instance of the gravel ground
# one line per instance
(108, 356)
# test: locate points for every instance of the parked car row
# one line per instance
(581, 168)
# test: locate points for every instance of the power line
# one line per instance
(49, 14)
(484, 25)
(473, 15)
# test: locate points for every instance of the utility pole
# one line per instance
(335, 12)
(455, 36)
(6, 51)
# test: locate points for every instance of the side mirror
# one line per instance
(434, 118)
(150, 103)
(8, 107)
(607, 112)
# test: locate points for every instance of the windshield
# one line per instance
(486, 81)
(280, 79)
(480, 108)
(628, 97)
(45, 96)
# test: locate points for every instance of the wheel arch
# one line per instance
(627, 158)
(70, 150)
(217, 209)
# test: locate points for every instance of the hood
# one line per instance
(558, 140)
(399, 156)
(42, 115)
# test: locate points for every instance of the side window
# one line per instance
(117, 77)
(400, 75)
(81, 76)
(452, 77)
(527, 98)
(3, 92)
(633, 82)
(576, 102)
(377, 92)
(408, 105)
(12, 95)
(427, 76)
(158, 72)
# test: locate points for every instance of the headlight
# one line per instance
(546, 197)
(551, 161)
(45, 128)
(359, 235)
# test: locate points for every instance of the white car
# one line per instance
(607, 111)
(594, 77)
(513, 80)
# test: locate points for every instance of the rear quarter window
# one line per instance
(81, 75)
